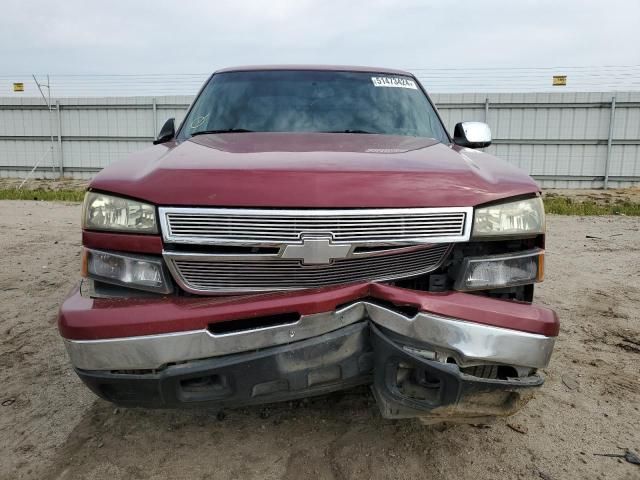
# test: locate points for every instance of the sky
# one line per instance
(489, 38)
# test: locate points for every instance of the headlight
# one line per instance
(134, 271)
(509, 270)
(106, 212)
(513, 218)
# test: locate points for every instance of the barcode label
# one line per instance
(394, 82)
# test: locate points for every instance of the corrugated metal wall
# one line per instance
(562, 139)
(88, 133)
(559, 138)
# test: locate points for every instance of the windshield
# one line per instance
(313, 101)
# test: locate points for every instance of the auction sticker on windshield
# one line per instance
(397, 82)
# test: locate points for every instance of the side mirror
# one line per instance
(472, 135)
(167, 132)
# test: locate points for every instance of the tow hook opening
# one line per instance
(417, 384)
(204, 388)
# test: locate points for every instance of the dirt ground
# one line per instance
(52, 427)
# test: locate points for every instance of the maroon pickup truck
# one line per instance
(305, 230)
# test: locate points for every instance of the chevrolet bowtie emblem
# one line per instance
(316, 251)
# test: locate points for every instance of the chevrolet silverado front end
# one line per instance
(309, 229)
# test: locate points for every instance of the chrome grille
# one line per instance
(264, 226)
(199, 274)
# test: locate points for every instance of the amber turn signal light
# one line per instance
(84, 260)
(540, 275)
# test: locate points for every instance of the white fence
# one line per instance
(575, 140)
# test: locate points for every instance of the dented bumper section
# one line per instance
(407, 385)
(424, 354)
(467, 343)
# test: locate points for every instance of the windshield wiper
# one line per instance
(349, 131)
(222, 130)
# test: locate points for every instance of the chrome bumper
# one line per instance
(467, 342)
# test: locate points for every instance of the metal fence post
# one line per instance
(154, 134)
(60, 157)
(609, 142)
(486, 110)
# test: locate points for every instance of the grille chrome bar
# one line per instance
(211, 274)
(273, 227)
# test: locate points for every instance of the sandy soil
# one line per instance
(52, 427)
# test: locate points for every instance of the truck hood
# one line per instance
(313, 170)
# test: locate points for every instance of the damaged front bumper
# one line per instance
(420, 359)
(406, 384)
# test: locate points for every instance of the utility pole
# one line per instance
(47, 102)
